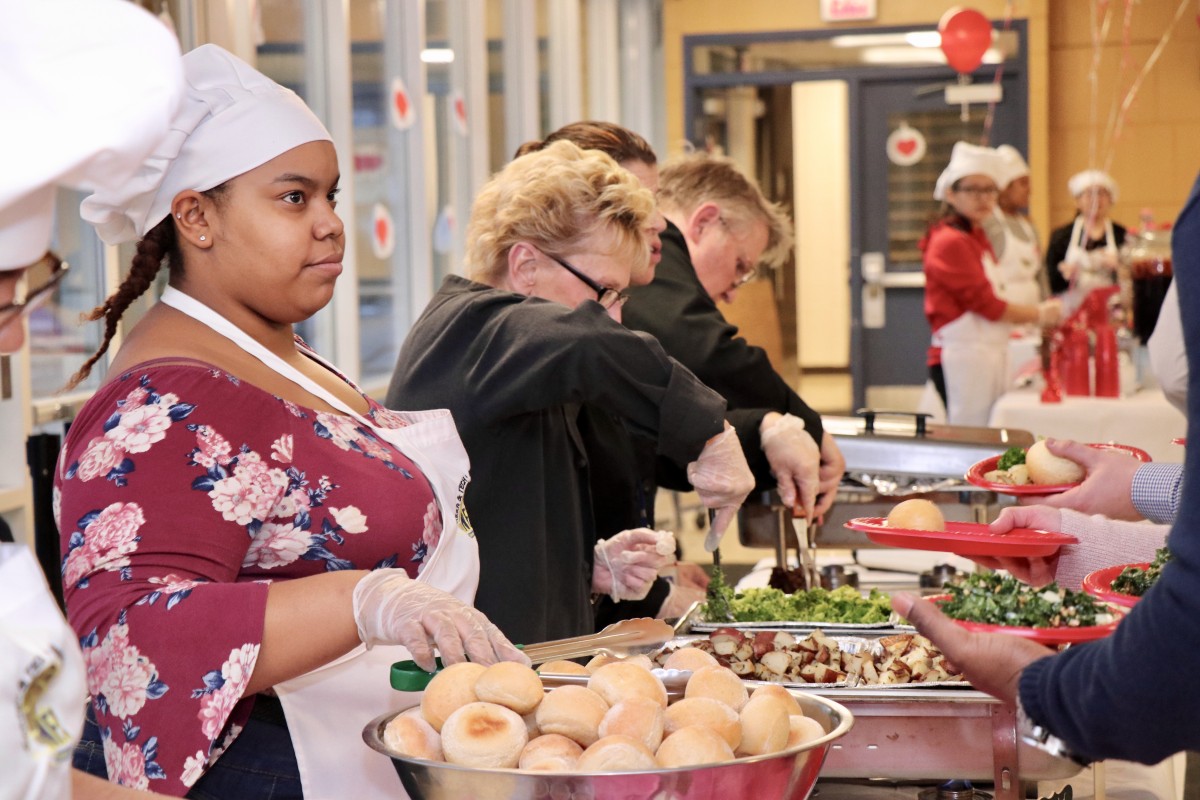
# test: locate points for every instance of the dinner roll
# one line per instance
(917, 515)
(764, 726)
(639, 660)
(718, 683)
(775, 690)
(616, 754)
(695, 744)
(484, 735)
(550, 752)
(802, 730)
(511, 685)
(689, 659)
(563, 668)
(531, 724)
(599, 661)
(706, 712)
(450, 690)
(619, 681)
(410, 735)
(636, 717)
(572, 711)
(1047, 468)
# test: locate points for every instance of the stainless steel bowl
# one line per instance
(786, 775)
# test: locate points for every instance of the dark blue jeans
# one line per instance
(259, 765)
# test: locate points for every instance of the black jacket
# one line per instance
(515, 372)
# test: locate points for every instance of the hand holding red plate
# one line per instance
(1047, 636)
(1067, 449)
(964, 539)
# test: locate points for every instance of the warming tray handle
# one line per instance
(869, 414)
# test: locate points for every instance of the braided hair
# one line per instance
(160, 243)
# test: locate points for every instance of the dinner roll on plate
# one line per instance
(718, 683)
(695, 744)
(511, 685)
(410, 735)
(572, 711)
(616, 754)
(636, 717)
(550, 752)
(1047, 469)
(450, 690)
(689, 659)
(802, 730)
(917, 515)
(765, 726)
(620, 681)
(484, 735)
(705, 712)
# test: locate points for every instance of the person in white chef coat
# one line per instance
(1083, 254)
(971, 322)
(67, 128)
(1018, 275)
(249, 541)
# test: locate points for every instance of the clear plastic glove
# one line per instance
(723, 481)
(679, 601)
(627, 564)
(833, 468)
(392, 608)
(1049, 312)
(795, 460)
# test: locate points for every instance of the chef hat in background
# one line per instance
(233, 119)
(88, 88)
(1012, 165)
(1082, 181)
(967, 159)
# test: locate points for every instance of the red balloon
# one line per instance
(966, 36)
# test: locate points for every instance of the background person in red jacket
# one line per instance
(971, 324)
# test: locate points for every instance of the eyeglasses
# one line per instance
(978, 191)
(605, 296)
(745, 268)
(39, 283)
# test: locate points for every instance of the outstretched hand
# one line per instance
(1036, 571)
(1106, 485)
(992, 662)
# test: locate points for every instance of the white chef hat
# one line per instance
(233, 119)
(1012, 165)
(967, 159)
(88, 88)
(1080, 182)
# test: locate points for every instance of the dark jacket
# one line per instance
(1133, 695)
(675, 309)
(1056, 251)
(515, 371)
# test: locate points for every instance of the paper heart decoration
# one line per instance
(906, 146)
(402, 107)
(383, 232)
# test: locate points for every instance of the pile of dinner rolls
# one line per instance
(501, 717)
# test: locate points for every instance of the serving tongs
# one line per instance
(625, 638)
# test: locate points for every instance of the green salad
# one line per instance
(1137, 581)
(843, 604)
(1011, 457)
(1003, 600)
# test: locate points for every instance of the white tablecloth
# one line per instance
(1144, 420)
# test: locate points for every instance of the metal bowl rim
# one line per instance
(845, 722)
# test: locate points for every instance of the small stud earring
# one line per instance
(203, 237)
(179, 216)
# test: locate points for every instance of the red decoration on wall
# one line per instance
(966, 36)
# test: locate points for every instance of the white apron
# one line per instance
(974, 362)
(328, 708)
(1093, 270)
(1015, 279)
(43, 691)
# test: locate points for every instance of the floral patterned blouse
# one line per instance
(181, 493)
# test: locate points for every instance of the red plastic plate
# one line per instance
(977, 471)
(1047, 636)
(964, 538)
(1099, 584)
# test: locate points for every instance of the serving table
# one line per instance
(1144, 419)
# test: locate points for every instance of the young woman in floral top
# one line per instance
(234, 514)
